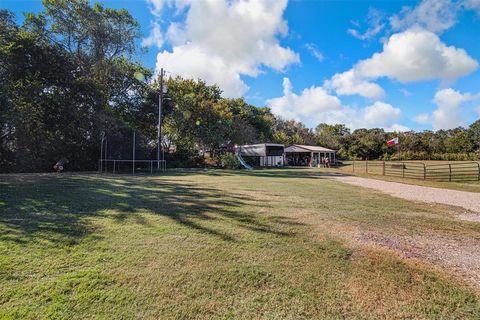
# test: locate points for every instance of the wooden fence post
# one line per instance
(383, 168)
(424, 172)
(403, 169)
(366, 166)
(450, 170)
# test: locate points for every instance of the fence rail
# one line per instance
(463, 171)
(131, 166)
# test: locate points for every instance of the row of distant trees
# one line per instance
(455, 144)
(68, 77)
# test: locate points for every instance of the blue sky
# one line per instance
(394, 64)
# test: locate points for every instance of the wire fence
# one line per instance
(131, 166)
(124, 150)
(448, 171)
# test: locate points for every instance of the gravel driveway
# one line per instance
(458, 253)
(467, 200)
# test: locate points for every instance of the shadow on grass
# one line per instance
(57, 208)
(306, 173)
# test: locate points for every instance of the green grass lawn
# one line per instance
(264, 244)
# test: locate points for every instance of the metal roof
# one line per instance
(258, 149)
(263, 144)
(304, 148)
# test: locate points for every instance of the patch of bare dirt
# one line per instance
(456, 253)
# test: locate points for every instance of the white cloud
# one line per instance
(315, 105)
(397, 128)
(176, 34)
(447, 115)
(218, 43)
(417, 55)
(193, 61)
(375, 21)
(314, 51)
(158, 6)
(422, 118)
(409, 56)
(433, 15)
(348, 83)
(405, 92)
(472, 5)
(155, 38)
(380, 114)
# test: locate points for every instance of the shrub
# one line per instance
(229, 161)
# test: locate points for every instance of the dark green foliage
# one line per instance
(292, 132)
(454, 144)
(64, 80)
(229, 161)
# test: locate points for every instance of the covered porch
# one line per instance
(309, 156)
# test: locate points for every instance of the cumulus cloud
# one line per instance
(217, 42)
(417, 55)
(176, 34)
(155, 38)
(447, 114)
(380, 114)
(315, 105)
(412, 55)
(193, 61)
(433, 15)
(422, 118)
(349, 83)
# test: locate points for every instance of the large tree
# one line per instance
(66, 76)
(292, 132)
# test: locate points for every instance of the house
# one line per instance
(276, 155)
(302, 155)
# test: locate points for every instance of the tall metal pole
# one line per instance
(133, 162)
(105, 154)
(101, 155)
(159, 129)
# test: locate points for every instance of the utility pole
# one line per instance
(159, 129)
(133, 156)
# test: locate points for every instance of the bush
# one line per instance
(229, 161)
(183, 159)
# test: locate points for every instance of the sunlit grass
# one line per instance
(217, 244)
